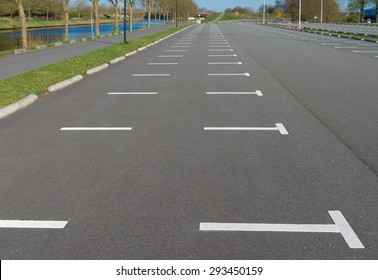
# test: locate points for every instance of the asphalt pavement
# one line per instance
(228, 141)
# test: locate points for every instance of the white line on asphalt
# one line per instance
(182, 43)
(346, 230)
(162, 63)
(337, 47)
(176, 50)
(32, 224)
(131, 93)
(364, 51)
(376, 56)
(226, 50)
(231, 74)
(224, 63)
(257, 92)
(180, 46)
(333, 44)
(279, 127)
(219, 46)
(151, 75)
(215, 55)
(170, 56)
(340, 225)
(95, 128)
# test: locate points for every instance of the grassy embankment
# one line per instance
(211, 17)
(232, 16)
(37, 81)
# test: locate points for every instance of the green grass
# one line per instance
(37, 81)
(211, 17)
(6, 52)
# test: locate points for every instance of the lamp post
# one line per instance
(124, 21)
(264, 10)
(321, 11)
(300, 15)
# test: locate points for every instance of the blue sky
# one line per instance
(221, 5)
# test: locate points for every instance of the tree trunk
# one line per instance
(116, 16)
(21, 15)
(131, 8)
(155, 19)
(97, 24)
(66, 19)
(149, 17)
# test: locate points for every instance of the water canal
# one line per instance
(11, 40)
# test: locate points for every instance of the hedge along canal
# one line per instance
(10, 40)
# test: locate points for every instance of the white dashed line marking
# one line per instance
(131, 93)
(95, 128)
(151, 75)
(278, 127)
(223, 55)
(225, 63)
(168, 56)
(231, 74)
(162, 63)
(257, 92)
(32, 224)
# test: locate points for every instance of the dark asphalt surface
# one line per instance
(16, 64)
(141, 194)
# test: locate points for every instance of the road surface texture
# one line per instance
(229, 141)
(16, 64)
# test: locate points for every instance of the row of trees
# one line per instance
(360, 6)
(156, 8)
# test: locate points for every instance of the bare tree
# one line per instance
(131, 5)
(97, 23)
(66, 17)
(21, 15)
(115, 5)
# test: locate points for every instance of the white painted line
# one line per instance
(231, 74)
(151, 75)
(182, 43)
(131, 93)
(278, 127)
(341, 226)
(346, 230)
(219, 46)
(217, 50)
(32, 224)
(336, 47)
(222, 55)
(364, 51)
(225, 63)
(176, 50)
(170, 56)
(333, 44)
(158, 63)
(180, 46)
(376, 56)
(257, 92)
(95, 128)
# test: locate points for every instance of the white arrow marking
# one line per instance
(279, 127)
(32, 224)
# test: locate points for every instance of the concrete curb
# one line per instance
(131, 53)
(97, 69)
(13, 108)
(118, 59)
(65, 83)
(142, 49)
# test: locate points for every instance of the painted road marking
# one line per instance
(231, 74)
(223, 55)
(151, 75)
(257, 92)
(180, 46)
(333, 44)
(183, 43)
(225, 63)
(131, 93)
(95, 128)
(162, 63)
(170, 56)
(279, 127)
(340, 225)
(176, 50)
(364, 51)
(217, 50)
(219, 46)
(337, 47)
(32, 224)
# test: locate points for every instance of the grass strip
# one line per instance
(211, 17)
(38, 80)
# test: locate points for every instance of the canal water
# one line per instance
(12, 40)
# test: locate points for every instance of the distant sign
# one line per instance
(279, 14)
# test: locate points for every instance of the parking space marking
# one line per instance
(257, 92)
(95, 128)
(176, 50)
(225, 63)
(162, 63)
(180, 46)
(222, 55)
(340, 225)
(151, 75)
(278, 127)
(219, 46)
(230, 74)
(364, 51)
(338, 47)
(168, 56)
(218, 50)
(132, 93)
(32, 224)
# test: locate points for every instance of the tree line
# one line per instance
(66, 9)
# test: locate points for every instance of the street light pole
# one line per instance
(300, 14)
(321, 11)
(124, 21)
(264, 10)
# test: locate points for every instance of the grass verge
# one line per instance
(38, 80)
(211, 17)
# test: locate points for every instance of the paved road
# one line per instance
(16, 64)
(358, 29)
(237, 124)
